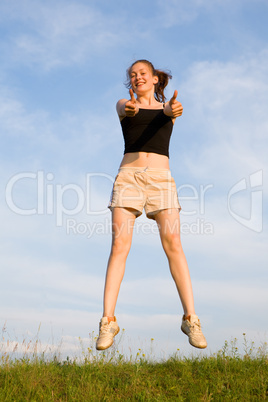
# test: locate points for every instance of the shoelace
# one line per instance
(105, 328)
(196, 325)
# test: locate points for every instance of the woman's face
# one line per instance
(142, 79)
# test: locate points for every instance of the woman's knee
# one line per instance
(120, 246)
(172, 243)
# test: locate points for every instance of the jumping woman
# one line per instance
(144, 181)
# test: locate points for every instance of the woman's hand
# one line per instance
(173, 108)
(131, 108)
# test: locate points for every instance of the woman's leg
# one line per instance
(122, 225)
(169, 228)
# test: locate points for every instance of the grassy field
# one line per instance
(108, 376)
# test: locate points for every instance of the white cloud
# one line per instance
(37, 139)
(179, 12)
(53, 35)
(245, 297)
(225, 120)
(58, 34)
(156, 335)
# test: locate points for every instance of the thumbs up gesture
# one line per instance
(173, 108)
(131, 107)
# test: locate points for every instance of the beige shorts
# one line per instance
(151, 188)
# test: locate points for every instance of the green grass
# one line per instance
(109, 376)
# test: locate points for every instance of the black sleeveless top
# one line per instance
(148, 131)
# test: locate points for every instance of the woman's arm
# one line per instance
(120, 108)
(127, 107)
(173, 108)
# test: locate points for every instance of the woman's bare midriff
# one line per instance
(145, 159)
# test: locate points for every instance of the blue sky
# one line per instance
(62, 71)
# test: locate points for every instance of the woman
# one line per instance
(144, 181)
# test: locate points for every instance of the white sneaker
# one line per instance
(107, 332)
(192, 328)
